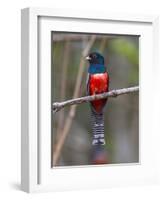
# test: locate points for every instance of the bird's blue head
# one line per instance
(96, 61)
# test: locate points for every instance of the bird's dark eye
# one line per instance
(94, 56)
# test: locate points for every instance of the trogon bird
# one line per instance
(97, 83)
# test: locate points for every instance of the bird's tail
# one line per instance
(98, 128)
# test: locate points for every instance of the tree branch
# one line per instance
(63, 81)
(113, 93)
(72, 111)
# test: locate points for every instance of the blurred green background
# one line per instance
(121, 53)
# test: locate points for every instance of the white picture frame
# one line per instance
(36, 171)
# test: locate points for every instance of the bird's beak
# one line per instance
(87, 58)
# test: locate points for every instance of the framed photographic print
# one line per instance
(86, 96)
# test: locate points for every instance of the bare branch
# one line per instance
(63, 85)
(72, 111)
(113, 93)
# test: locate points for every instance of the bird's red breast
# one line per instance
(98, 83)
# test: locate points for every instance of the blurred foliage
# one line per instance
(126, 48)
(121, 54)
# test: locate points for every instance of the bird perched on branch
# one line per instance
(97, 82)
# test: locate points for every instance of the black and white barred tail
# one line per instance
(97, 128)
